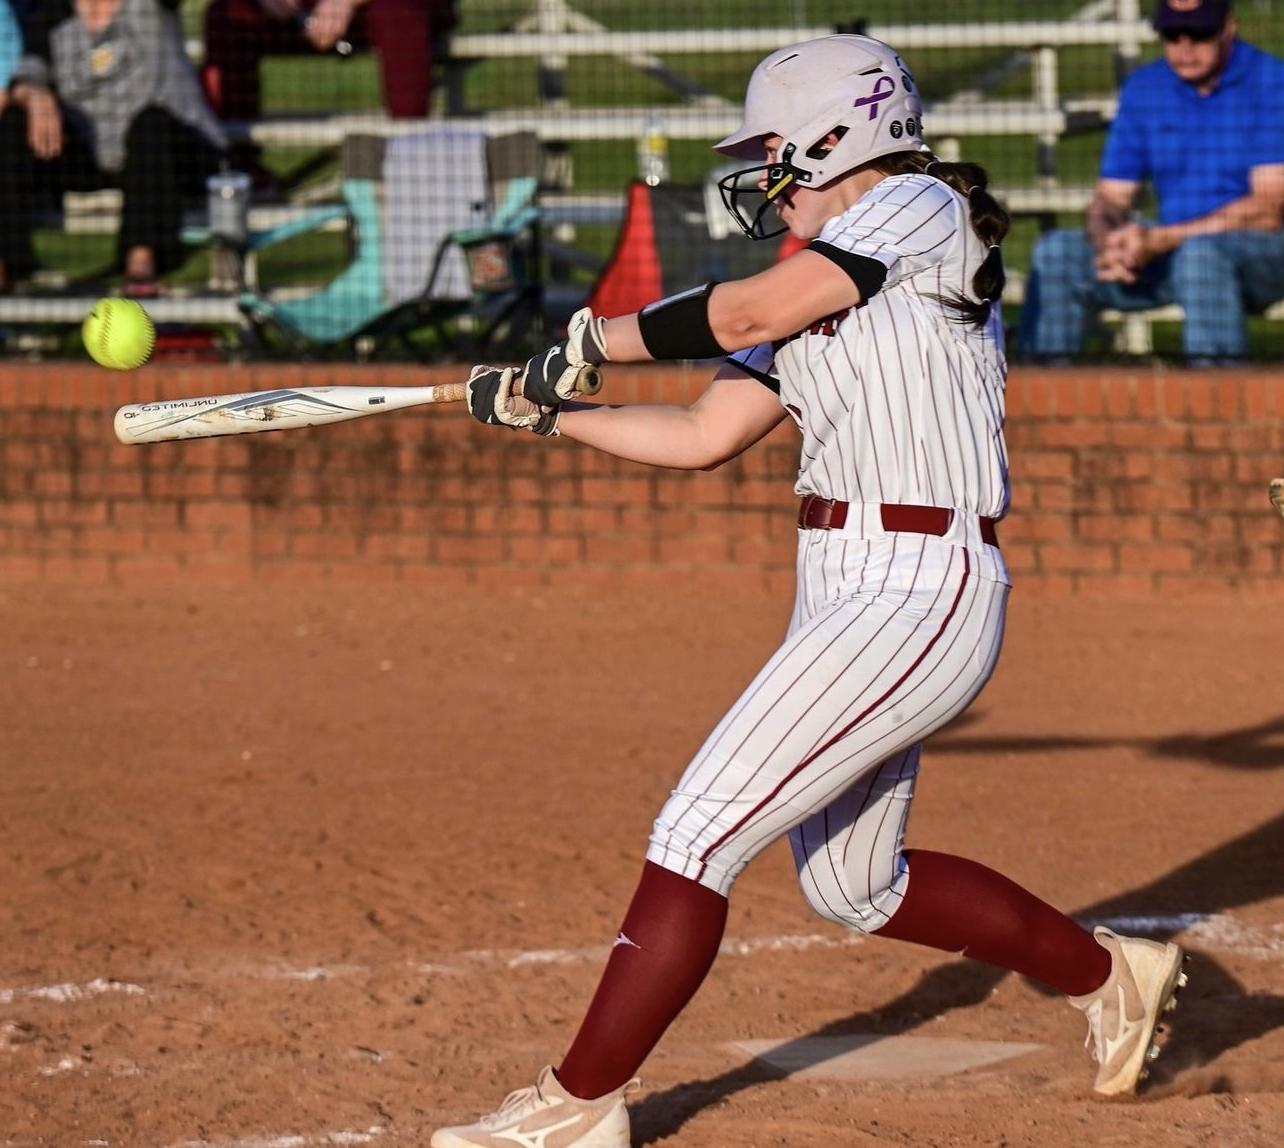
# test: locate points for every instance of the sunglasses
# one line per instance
(1195, 35)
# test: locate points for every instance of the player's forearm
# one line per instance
(1251, 213)
(667, 436)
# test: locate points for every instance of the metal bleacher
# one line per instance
(554, 31)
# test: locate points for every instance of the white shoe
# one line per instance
(1125, 1012)
(546, 1116)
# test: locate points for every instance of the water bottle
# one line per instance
(228, 203)
(653, 152)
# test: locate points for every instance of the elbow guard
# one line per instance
(677, 327)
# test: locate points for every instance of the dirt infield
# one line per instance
(291, 867)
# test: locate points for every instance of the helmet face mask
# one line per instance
(747, 201)
(854, 89)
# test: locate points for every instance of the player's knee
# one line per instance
(866, 912)
(688, 858)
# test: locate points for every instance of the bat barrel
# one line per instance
(209, 416)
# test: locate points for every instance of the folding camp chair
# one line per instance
(444, 234)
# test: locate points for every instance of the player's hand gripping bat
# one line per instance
(209, 416)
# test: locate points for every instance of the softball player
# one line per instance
(882, 341)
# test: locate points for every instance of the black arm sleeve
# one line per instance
(868, 274)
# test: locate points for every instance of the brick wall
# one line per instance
(1124, 482)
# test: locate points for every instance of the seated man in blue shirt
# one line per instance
(1205, 126)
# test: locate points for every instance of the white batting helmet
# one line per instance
(853, 86)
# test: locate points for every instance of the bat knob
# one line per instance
(590, 380)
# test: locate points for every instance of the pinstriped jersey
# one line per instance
(898, 399)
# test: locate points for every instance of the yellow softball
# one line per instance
(118, 334)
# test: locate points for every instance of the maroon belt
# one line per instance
(816, 513)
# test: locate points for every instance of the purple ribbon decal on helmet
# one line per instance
(877, 96)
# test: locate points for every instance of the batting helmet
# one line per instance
(856, 87)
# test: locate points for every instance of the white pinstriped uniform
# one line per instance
(892, 634)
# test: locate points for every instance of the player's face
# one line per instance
(1200, 58)
(803, 210)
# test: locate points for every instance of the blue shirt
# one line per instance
(1195, 150)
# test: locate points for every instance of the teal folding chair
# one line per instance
(444, 235)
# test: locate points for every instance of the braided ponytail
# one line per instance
(989, 221)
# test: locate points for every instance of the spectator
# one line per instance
(1205, 126)
(238, 33)
(106, 96)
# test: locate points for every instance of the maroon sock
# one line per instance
(955, 904)
(665, 947)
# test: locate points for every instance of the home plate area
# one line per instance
(875, 1057)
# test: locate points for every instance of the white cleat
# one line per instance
(545, 1115)
(1123, 1015)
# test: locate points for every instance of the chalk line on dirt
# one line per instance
(69, 993)
(316, 1140)
(1213, 932)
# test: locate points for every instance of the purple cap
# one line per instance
(1191, 14)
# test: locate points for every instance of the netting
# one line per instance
(425, 179)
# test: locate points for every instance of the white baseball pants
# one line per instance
(892, 635)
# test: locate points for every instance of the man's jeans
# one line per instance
(1215, 279)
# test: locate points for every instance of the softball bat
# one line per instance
(209, 416)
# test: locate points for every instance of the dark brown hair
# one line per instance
(989, 220)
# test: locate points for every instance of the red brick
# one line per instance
(573, 519)
(1156, 557)
(146, 568)
(564, 550)
(469, 548)
(698, 549)
(449, 577)
(1037, 528)
(761, 553)
(1073, 434)
(1195, 586)
(728, 580)
(1084, 556)
(201, 515)
(365, 573)
(1058, 464)
(19, 568)
(618, 549)
(395, 547)
(1021, 557)
(1209, 438)
(1114, 528)
(82, 570)
(290, 571)
(327, 544)
(217, 568)
(114, 540)
(1045, 585)
(1116, 585)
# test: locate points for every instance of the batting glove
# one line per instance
(551, 375)
(491, 401)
